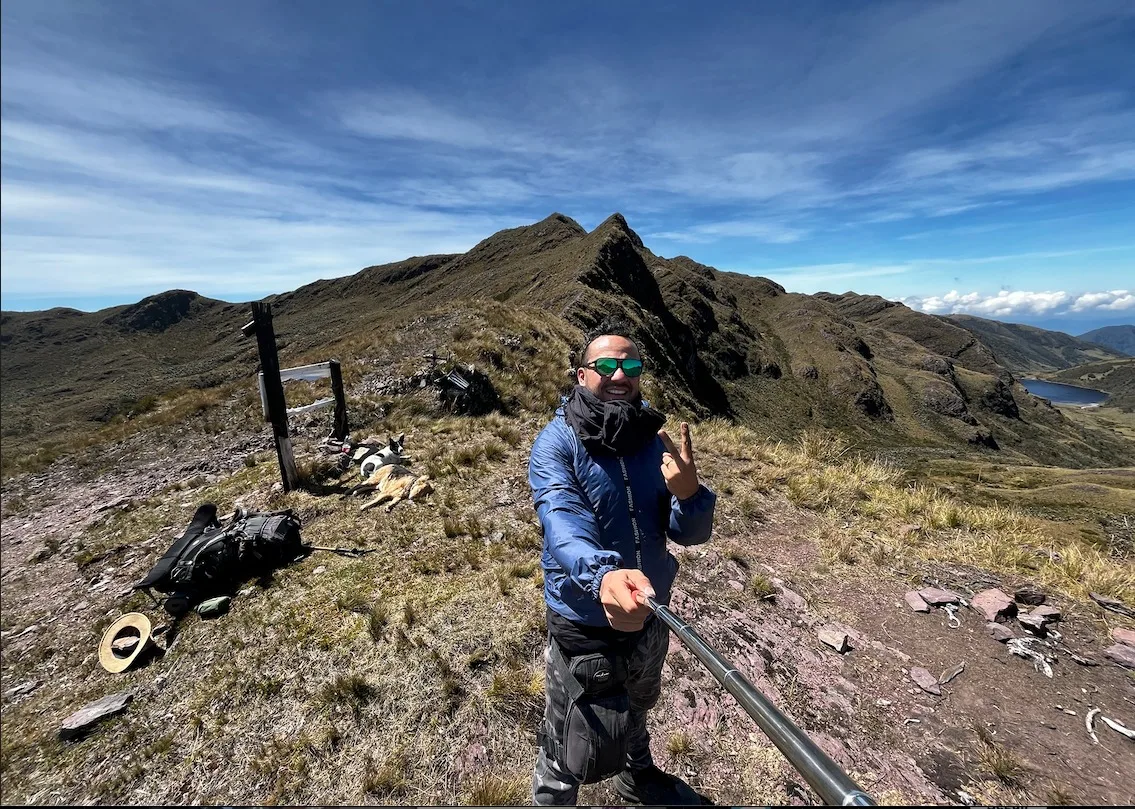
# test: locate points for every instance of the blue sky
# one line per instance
(960, 156)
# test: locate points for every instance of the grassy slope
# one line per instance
(376, 679)
(1117, 338)
(1028, 349)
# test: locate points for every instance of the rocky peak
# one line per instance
(616, 226)
(157, 312)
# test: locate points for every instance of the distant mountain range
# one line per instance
(718, 343)
(1117, 338)
(1031, 350)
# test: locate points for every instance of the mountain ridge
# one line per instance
(720, 344)
(1117, 338)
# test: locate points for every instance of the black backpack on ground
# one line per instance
(209, 558)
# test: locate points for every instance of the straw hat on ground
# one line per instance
(124, 642)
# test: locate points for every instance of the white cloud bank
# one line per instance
(1022, 302)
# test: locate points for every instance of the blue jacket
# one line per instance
(582, 505)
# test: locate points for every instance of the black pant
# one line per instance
(552, 783)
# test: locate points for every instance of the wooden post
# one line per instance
(274, 391)
(340, 429)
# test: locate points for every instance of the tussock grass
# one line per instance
(497, 790)
(871, 512)
(516, 693)
(761, 586)
(386, 779)
(679, 745)
(350, 690)
(998, 761)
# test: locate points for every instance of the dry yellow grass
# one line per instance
(869, 506)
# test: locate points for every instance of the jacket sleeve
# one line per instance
(691, 520)
(571, 534)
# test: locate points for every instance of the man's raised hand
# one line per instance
(678, 466)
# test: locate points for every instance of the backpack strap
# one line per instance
(204, 518)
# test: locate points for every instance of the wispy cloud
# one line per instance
(769, 232)
(131, 161)
(827, 277)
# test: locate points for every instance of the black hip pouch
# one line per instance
(593, 742)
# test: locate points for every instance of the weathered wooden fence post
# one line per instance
(340, 427)
(274, 391)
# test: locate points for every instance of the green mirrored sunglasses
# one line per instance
(606, 366)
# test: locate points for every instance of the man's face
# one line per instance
(618, 385)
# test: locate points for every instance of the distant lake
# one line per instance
(1058, 393)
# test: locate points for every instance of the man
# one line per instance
(609, 488)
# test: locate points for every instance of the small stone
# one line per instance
(936, 596)
(320, 569)
(834, 638)
(496, 536)
(1124, 636)
(736, 585)
(882, 703)
(1122, 654)
(125, 645)
(80, 722)
(993, 604)
(1047, 614)
(916, 602)
(23, 688)
(28, 630)
(82, 605)
(1028, 595)
(1033, 623)
(925, 680)
(999, 632)
(115, 503)
(952, 673)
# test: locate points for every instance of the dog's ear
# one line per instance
(401, 440)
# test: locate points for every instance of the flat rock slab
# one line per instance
(1122, 654)
(1028, 595)
(1034, 623)
(916, 602)
(936, 596)
(1125, 636)
(999, 632)
(834, 638)
(1047, 614)
(1109, 603)
(80, 723)
(789, 598)
(926, 681)
(993, 604)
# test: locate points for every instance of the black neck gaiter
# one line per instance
(611, 428)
